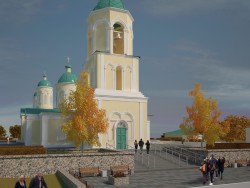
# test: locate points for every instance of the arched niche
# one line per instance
(118, 38)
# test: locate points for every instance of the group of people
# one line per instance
(141, 144)
(36, 182)
(211, 165)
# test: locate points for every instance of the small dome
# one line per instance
(68, 76)
(110, 3)
(44, 82)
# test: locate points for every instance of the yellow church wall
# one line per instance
(101, 32)
(111, 62)
(35, 132)
(123, 107)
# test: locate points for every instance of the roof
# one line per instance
(110, 3)
(67, 77)
(38, 111)
(178, 132)
(44, 82)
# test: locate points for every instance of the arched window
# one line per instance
(118, 78)
(118, 37)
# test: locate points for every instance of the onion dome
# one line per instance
(44, 82)
(110, 3)
(68, 76)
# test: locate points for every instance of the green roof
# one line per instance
(38, 111)
(110, 3)
(44, 83)
(67, 77)
(176, 132)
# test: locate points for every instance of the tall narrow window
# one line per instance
(118, 78)
(118, 37)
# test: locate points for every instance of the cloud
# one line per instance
(18, 11)
(177, 7)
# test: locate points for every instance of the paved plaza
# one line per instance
(173, 176)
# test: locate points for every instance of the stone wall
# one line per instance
(29, 165)
(229, 154)
(69, 180)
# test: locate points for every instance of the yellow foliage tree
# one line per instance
(83, 119)
(202, 117)
(236, 128)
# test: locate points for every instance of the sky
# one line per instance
(180, 42)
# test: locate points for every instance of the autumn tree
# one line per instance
(2, 132)
(83, 119)
(237, 128)
(15, 131)
(202, 117)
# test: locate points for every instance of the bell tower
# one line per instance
(114, 72)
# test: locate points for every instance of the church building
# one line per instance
(113, 73)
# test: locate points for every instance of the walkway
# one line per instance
(172, 176)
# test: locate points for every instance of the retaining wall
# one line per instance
(29, 165)
(69, 180)
(229, 154)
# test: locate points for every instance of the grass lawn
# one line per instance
(51, 180)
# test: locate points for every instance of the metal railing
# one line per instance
(169, 154)
(179, 156)
(193, 156)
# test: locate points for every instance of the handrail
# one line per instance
(197, 158)
(181, 156)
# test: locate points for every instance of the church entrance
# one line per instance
(121, 136)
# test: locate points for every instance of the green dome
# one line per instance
(44, 82)
(67, 77)
(110, 3)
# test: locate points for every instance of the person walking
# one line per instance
(38, 182)
(141, 143)
(203, 169)
(136, 146)
(21, 182)
(221, 162)
(147, 146)
(212, 166)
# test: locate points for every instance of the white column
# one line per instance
(102, 72)
(114, 78)
(44, 130)
(111, 30)
(28, 132)
(133, 81)
(125, 33)
(141, 121)
(93, 40)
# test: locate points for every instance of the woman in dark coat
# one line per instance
(21, 182)
(221, 163)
